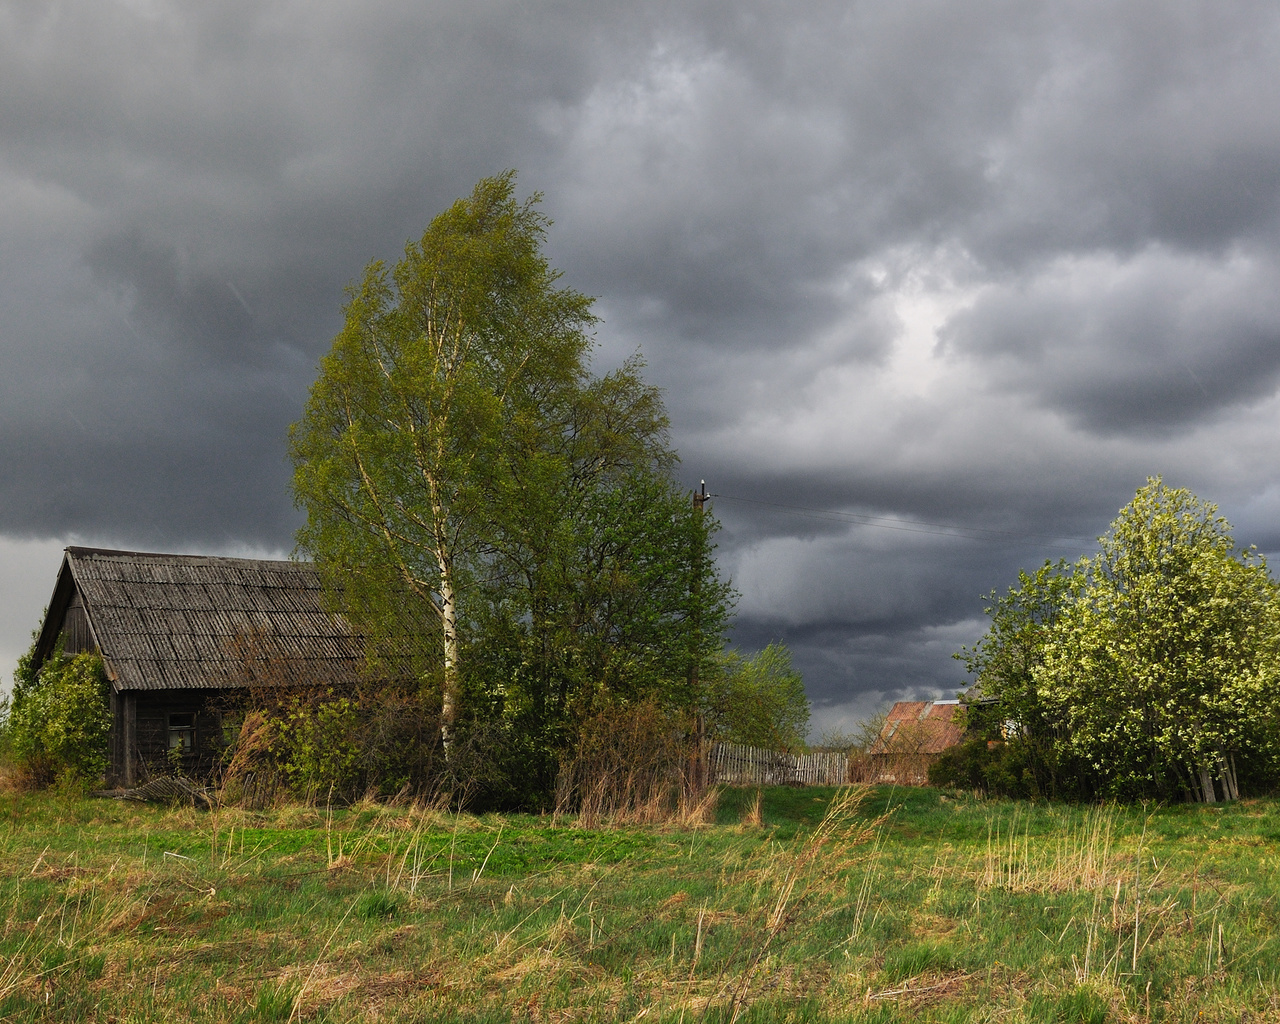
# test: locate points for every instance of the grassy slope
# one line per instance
(913, 906)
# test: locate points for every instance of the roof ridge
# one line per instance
(83, 552)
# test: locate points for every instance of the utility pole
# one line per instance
(695, 593)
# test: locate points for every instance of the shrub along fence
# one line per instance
(737, 765)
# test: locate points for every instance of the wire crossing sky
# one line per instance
(880, 522)
(971, 272)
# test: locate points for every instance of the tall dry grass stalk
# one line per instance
(249, 776)
(814, 872)
(1083, 856)
(635, 766)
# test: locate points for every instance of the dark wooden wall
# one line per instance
(140, 733)
(75, 627)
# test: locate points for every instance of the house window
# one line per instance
(231, 723)
(182, 732)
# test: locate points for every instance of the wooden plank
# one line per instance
(738, 764)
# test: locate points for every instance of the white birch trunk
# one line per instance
(449, 624)
(1206, 787)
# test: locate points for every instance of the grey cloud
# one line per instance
(1147, 123)
(204, 460)
(169, 299)
(769, 201)
(1159, 342)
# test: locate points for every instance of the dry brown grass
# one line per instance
(984, 912)
(634, 766)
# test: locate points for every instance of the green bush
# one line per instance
(759, 701)
(59, 721)
(316, 743)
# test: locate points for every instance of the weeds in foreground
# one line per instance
(851, 905)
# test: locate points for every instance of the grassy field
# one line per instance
(807, 906)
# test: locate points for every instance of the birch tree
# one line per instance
(467, 479)
(442, 366)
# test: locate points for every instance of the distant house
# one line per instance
(181, 634)
(914, 734)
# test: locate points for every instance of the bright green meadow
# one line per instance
(806, 905)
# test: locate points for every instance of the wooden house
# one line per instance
(915, 732)
(179, 635)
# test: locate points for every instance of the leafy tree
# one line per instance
(759, 701)
(1148, 669)
(1006, 705)
(468, 480)
(442, 369)
(1163, 667)
(604, 616)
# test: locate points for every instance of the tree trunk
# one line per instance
(1227, 773)
(449, 623)
(1207, 793)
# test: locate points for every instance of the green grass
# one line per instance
(912, 905)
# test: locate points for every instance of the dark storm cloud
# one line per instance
(203, 457)
(1159, 342)
(168, 300)
(984, 265)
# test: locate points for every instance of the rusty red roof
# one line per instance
(920, 727)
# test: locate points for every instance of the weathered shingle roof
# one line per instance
(193, 621)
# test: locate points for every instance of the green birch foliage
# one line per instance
(1163, 662)
(471, 486)
(759, 701)
(443, 368)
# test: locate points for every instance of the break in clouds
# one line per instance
(969, 272)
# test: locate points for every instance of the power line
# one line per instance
(861, 519)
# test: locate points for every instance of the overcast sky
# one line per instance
(969, 272)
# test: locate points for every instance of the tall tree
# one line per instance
(1149, 669)
(595, 592)
(440, 370)
(1163, 667)
(465, 476)
(1006, 664)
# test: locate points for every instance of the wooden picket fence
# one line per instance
(259, 790)
(734, 764)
